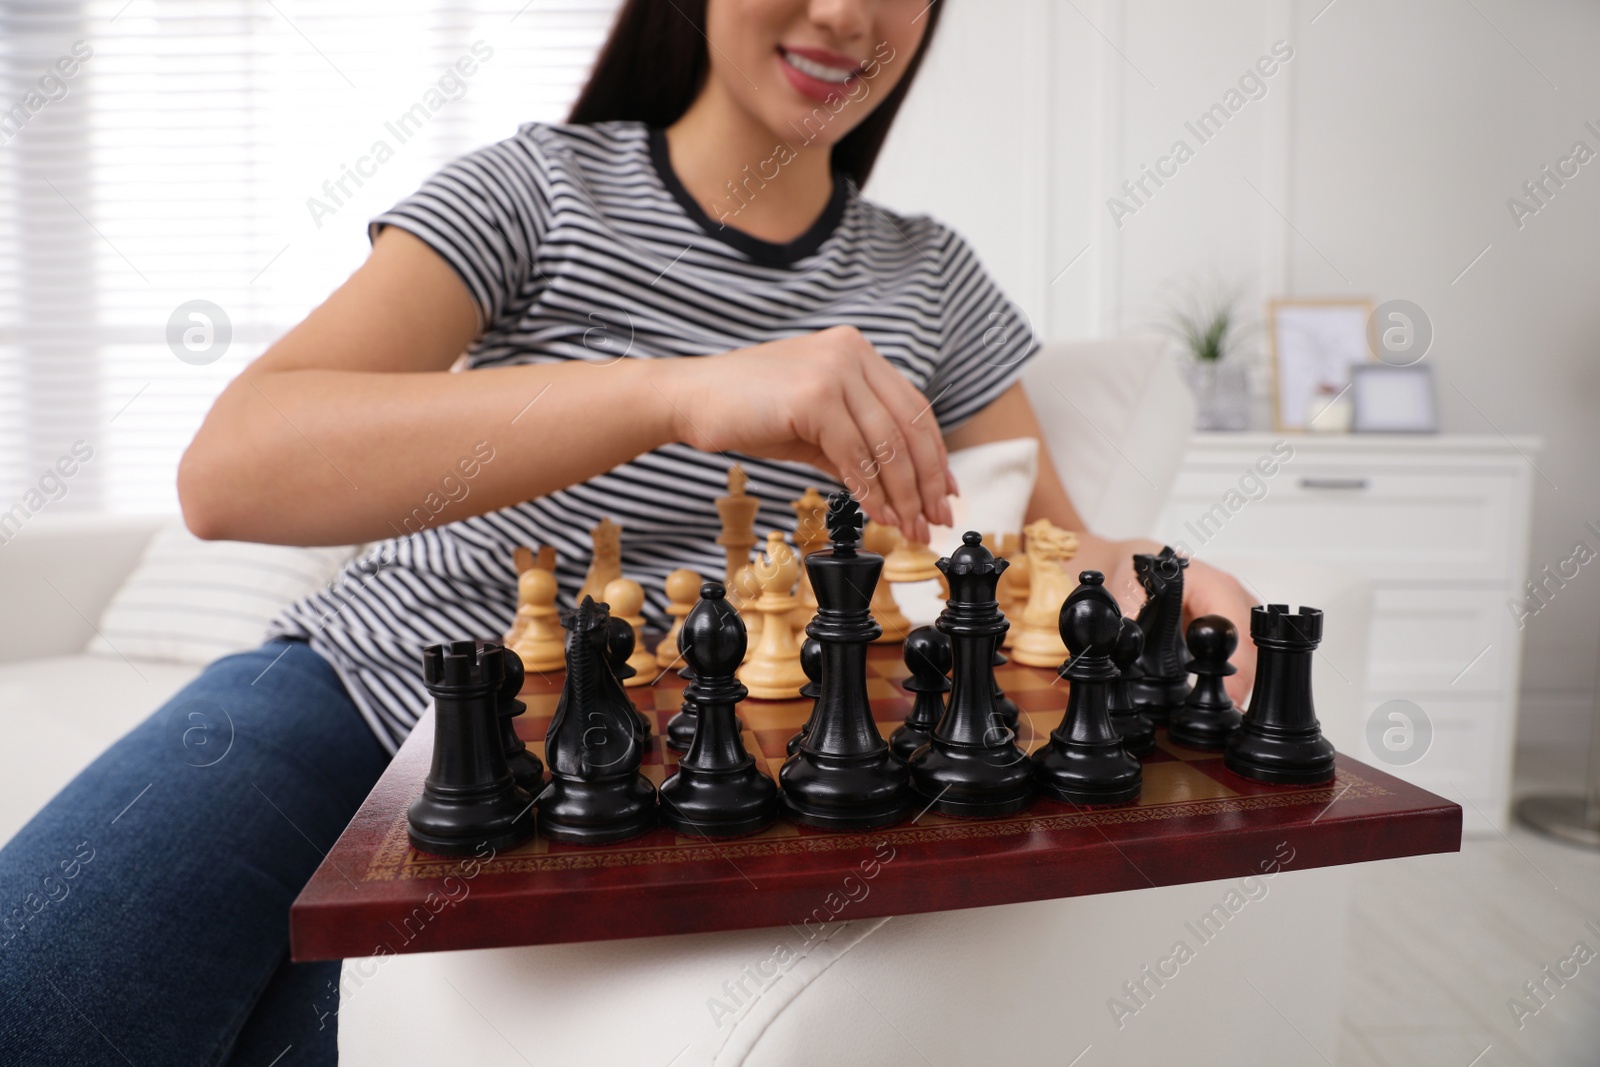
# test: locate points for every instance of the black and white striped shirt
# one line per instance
(579, 243)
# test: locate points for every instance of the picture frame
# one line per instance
(1388, 399)
(1313, 343)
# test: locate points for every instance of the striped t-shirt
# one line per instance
(579, 243)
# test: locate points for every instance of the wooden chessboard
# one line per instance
(1195, 821)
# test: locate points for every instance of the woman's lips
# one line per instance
(817, 73)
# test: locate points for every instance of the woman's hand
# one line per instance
(828, 399)
(1206, 591)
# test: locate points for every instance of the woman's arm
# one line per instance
(350, 422)
(1207, 591)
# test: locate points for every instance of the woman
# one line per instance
(684, 275)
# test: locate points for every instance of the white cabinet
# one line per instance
(1439, 526)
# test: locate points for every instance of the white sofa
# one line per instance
(1020, 984)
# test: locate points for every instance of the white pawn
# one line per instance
(541, 643)
(774, 671)
(743, 594)
(683, 592)
(625, 598)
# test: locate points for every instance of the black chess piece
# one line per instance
(1137, 732)
(843, 777)
(470, 798)
(718, 790)
(1208, 716)
(596, 793)
(1162, 682)
(1085, 761)
(525, 766)
(620, 643)
(1279, 740)
(811, 663)
(1004, 706)
(972, 765)
(680, 728)
(927, 654)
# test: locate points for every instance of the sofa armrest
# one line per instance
(58, 573)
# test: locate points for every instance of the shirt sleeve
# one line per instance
(485, 215)
(986, 340)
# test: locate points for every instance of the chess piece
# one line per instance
(523, 559)
(525, 766)
(1006, 708)
(927, 655)
(972, 765)
(743, 594)
(1084, 761)
(1208, 716)
(619, 649)
(910, 561)
(1162, 683)
(683, 587)
(843, 777)
(605, 565)
(596, 793)
(541, 645)
(718, 789)
(469, 798)
(625, 598)
(738, 513)
(681, 727)
(1279, 740)
(1012, 592)
(810, 535)
(881, 539)
(773, 671)
(1038, 641)
(811, 663)
(1137, 733)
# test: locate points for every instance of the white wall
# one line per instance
(1378, 163)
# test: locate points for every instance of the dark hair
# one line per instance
(655, 60)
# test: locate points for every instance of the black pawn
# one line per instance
(717, 790)
(1137, 733)
(596, 793)
(972, 765)
(1208, 716)
(680, 728)
(525, 766)
(1162, 683)
(619, 646)
(470, 798)
(1279, 740)
(927, 654)
(1004, 706)
(1085, 762)
(843, 777)
(811, 663)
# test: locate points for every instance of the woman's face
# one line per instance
(812, 70)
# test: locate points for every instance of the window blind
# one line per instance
(183, 180)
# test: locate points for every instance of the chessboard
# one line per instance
(1194, 821)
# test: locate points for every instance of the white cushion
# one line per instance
(59, 713)
(192, 601)
(996, 481)
(1116, 417)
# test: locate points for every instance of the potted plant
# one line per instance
(1210, 331)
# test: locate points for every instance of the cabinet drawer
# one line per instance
(1384, 524)
(1467, 755)
(1452, 640)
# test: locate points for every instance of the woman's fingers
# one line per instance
(924, 442)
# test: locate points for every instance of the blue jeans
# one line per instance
(144, 913)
